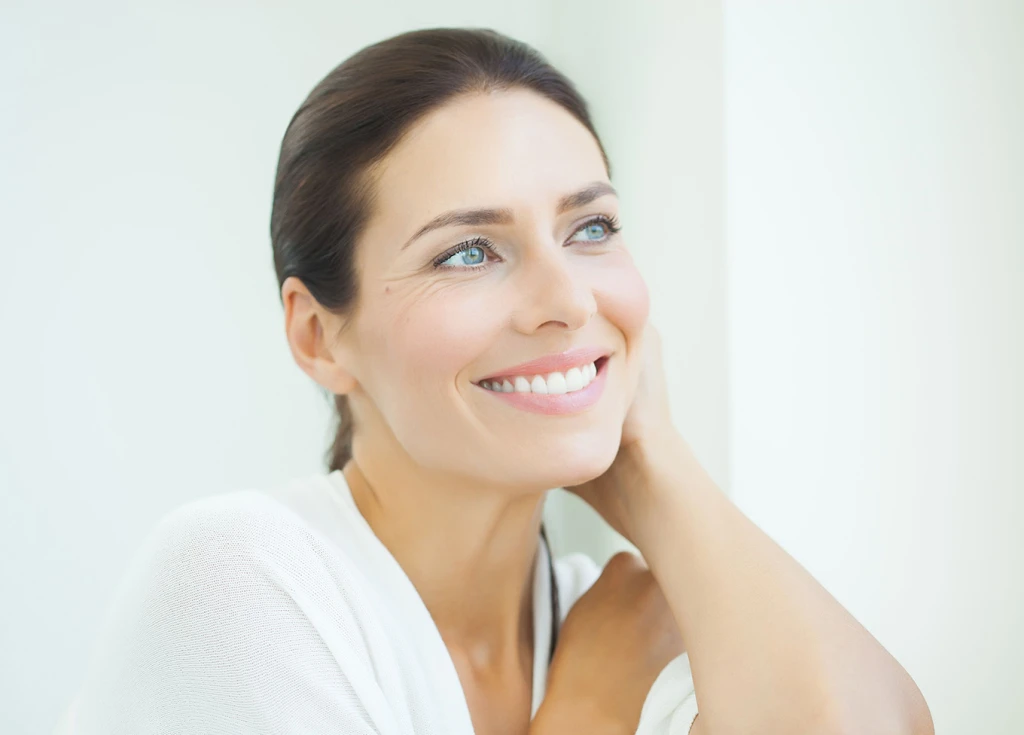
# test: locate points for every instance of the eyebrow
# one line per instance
(504, 216)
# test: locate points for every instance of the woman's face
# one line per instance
(433, 321)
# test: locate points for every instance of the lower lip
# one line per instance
(566, 403)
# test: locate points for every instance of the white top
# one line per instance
(281, 612)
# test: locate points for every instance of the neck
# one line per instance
(468, 548)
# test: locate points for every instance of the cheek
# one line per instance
(623, 298)
(423, 342)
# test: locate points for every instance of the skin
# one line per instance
(459, 505)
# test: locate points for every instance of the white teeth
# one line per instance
(574, 379)
(555, 384)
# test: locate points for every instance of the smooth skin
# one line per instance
(452, 479)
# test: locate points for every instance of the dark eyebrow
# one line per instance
(504, 216)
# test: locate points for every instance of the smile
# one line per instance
(571, 391)
(555, 383)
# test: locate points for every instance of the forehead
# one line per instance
(512, 149)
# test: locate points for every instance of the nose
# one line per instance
(555, 291)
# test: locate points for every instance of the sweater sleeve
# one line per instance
(217, 628)
(671, 704)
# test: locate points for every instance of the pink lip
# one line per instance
(553, 363)
(565, 403)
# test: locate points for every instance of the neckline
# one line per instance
(438, 663)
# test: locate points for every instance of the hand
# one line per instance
(647, 431)
(613, 644)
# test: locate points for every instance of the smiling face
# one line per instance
(442, 312)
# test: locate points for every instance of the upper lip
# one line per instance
(557, 363)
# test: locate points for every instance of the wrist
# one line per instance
(665, 473)
(653, 454)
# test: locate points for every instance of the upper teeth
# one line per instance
(553, 383)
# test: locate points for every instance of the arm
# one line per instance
(771, 650)
(618, 665)
(555, 718)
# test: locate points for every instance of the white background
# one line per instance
(827, 200)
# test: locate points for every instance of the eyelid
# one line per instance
(609, 221)
(478, 241)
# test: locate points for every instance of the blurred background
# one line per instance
(827, 200)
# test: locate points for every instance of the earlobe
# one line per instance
(332, 376)
(331, 373)
(311, 342)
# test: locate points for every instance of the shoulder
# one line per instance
(236, 549)
(237, 570)
(227, 553)
(240, 522)
(234, 616)
(222, 536)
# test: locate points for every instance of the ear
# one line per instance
(311, 332)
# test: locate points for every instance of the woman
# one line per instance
(453, 271)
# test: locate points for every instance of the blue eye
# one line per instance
(473, 253)
(600, 226)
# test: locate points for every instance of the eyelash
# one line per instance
(611, 223)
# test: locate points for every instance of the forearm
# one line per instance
(561, 716)
(770, 649)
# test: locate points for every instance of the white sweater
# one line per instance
(281, 612)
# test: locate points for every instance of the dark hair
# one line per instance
(324, 189)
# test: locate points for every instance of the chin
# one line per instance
(582, 460)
